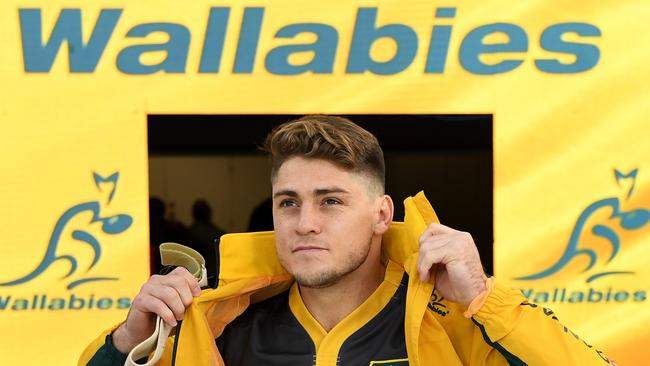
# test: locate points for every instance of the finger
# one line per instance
(425, 264)
(161, 309)
(427, 259)
(433, 244)
(170, 297)
(182, 287)
(191, 280)
(436, 229)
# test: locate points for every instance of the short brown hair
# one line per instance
(335, 139)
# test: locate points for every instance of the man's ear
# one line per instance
(384, 214)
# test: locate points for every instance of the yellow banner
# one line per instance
(566, 83)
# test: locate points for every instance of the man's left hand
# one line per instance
(452, 257)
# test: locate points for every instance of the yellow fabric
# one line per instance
(251, 272)
(480, 299)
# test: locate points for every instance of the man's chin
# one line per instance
(317, 280)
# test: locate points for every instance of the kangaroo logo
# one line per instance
(633, 219)
(436, 303)
(112, 225)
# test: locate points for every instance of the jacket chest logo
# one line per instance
(436, 305)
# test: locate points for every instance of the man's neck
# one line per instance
(332, 304)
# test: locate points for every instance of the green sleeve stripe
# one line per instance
(512, 359)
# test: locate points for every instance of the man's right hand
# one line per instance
(166, 296)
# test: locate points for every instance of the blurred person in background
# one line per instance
(204, 236)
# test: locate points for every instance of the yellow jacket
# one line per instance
(507, 330)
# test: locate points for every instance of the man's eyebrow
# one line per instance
(286, 192)
(317, 192)
(329, 190)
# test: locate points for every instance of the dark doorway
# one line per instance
(447, 156)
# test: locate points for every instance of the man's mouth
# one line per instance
(307, 249)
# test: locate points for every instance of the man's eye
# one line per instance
(288, 203)
(331, 201)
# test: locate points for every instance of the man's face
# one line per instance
(324, 218)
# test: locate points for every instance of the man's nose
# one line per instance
(309, 222)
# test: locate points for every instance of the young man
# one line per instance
(357, 296)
